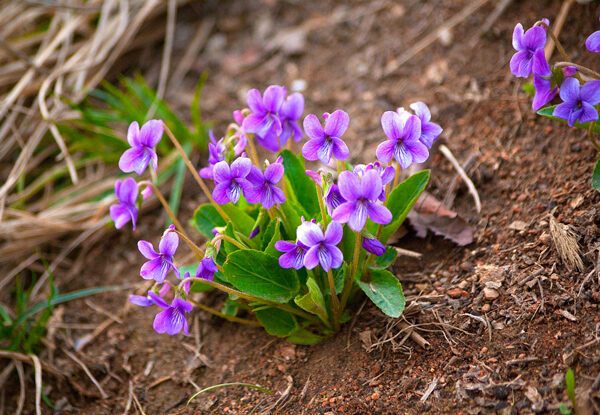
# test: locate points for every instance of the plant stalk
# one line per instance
(335, 303)
(348, 281)
(163, 201)
(223, 315)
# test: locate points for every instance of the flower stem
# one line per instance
(335, 303)
(321, 205)
(340, 167)
(198, 252)
(348, 281)
(252, 150)
(222, 315)
(561, 50)
(581, 68)
(195, 174)
(396, 177)
(163, 201)
(230, 240)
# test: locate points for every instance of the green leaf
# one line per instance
(267, 234)
(277, 322)
(528, 88)
(243, 222)
(303, 336)
(230, 307)
(206, 218)
(596, 176)
(302, 187)
(548, 111)
(570, 386)
(402, 199)
(228, 246)
(386, 260)
(564, 410)
(385, 291)
(292, 213)
(313, 301)
(270, 249)
(260, 275)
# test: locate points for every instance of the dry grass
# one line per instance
(565, 240)
(51, 53)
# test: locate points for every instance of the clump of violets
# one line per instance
(577, 87)
(289, 246)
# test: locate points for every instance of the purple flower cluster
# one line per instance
(273, 117)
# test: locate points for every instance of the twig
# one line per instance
(429, 389)
(87, 372)
(21, 373)
(38, 383)
(416, 337)
(129, 399)
(558, 24)
(446, 152)
(138, 404)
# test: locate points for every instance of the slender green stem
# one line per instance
(164, 202)
(321, 204)
(230, 240)
(252, 298)
(223, 315)
(335, 303)
(195, 174)
(348, 281)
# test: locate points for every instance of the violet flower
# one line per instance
(361, 195)
(162, 261)
(264, 120)
(429, 130)
(240, 135)
(530, 51)
(404, 143)
(592, 43)
(544, 92)
(386, 174)
(290, 112)
(265, 190)
(333, 198)
(206, 269)
(373, 246)
(578, 102)
(322, 247)
(293, 256)
(325, 142)
(172, 319)
(216, 153)
(231, 180)
(142, 301)
(127, 193)
(142, 142)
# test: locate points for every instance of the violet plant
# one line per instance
(577, 86)
(291, 247)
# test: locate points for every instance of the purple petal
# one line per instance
(569, 90)
(543, 93)
(325, 257)
(373, 246)
(592, 43)
(412, 129)
(240, 167)
(158, 300)
(520, 64)
(147, 250)
(311, 148)
(588, 112)
(349, 185)
(269, 141)
(517, 39)
(238, 117)
(336, 256)
(429, 132)
(388, 175)
(273, 98)
(385, 151)
(340, 149)
(255, 176)
(337, 124)
(379, 213)
(334, 233)
(419, 151)
(342, 212)
(128, 191)
(274, 172)
(563, 110)
(221, 172)
(168, 244)
(292, 259)
(293, 106)
(156, 270)
(392, 125)
(278, 195)
(151, 133)
(140, 300)
(135, 159)
(590, 92)
(540, 66)
(220, 193)
(255, 103)
(421, 110)
(133, 134)
(181, 304)
(324, 152)
(313, 128)
(370, 185)
(358, 217)
(120, 215)
(259, 124)
(285, 246)
(311, 259)
(206, 172)
(309, 234)
(234, 191)
(534, 38)
(574, 116)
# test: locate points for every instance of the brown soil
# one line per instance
(508, 354)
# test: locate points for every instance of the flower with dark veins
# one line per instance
(403, 144)
(127, 193)
(321, 246)
(578, 101)
(326, 142)
(142, 142)
(231, 180)
(159, 262)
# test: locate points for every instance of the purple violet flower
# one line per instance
(142, 142)
(142, 301)
(592, 43)
(373, 246)
(162, 261)
(429, 130)
(293, 256)
(127, 193)
(264, 120)
(544, 93)
(265, 190)
(216, 153)
(404, 133)
(333, 198)
(325, 142)
(578, 102)
(386, 174)
(530, 51)
(172, 319)
(206, 269)
(361, 195)
(254, 232)
(322, 247)
(147, 192)
(231, 180)
(290, 112)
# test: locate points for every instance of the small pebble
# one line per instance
(375, 396)
(485, 308)
(457, 293)
(490, 293)
(484, 349)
